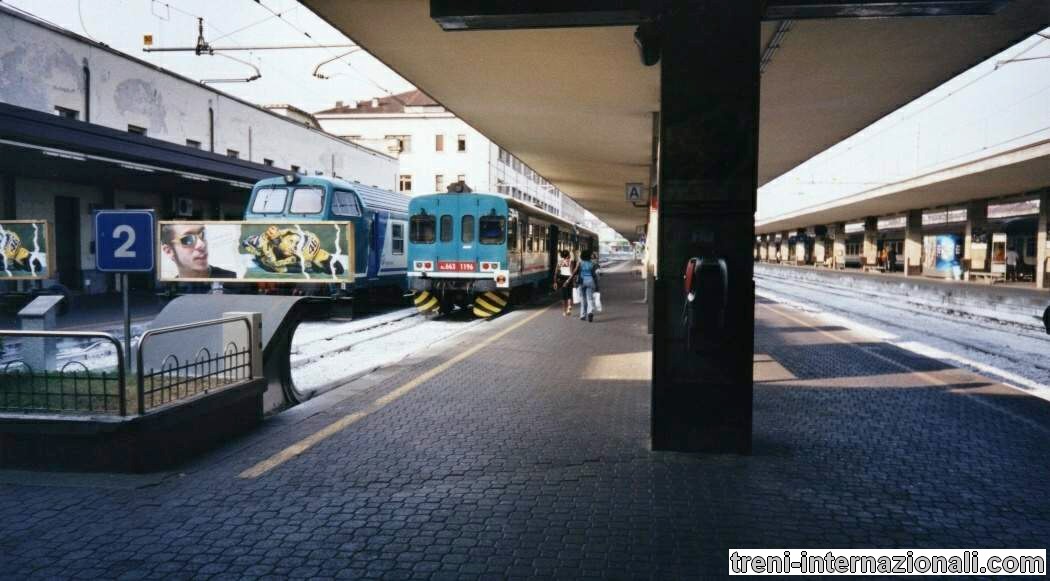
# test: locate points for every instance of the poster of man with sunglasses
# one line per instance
(187, 247)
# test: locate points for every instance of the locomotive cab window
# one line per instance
(307, 201)
(446, 228)
(493, 229)
(421, 229)
(345, 204)
(269, 200)
(466, 229)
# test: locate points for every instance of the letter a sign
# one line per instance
(636, 193)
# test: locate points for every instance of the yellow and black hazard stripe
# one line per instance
(426, 302)
(490, 304)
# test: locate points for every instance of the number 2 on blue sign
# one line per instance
(124, 250)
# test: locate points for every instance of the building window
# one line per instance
(439, 183)
(397, 238)
(404, 183)
(399, 143)
(233, 153)
(439, 142)
(461, 178)
(193, 143)
(136, 130)
(461, 143)
(67, 113)
(267, 162)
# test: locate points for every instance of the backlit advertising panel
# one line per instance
(26, 250)
(303, 252)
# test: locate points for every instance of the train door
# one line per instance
(552, 249)
(448, 246)
(515, 227)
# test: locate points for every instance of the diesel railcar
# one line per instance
(472, 250)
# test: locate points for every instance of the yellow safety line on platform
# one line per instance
(335, 427)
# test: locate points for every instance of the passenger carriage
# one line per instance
(473, 249)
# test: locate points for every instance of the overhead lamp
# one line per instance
(63, 154)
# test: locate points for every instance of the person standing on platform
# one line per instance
(587, 281)
(1011, 264)
(563, 280)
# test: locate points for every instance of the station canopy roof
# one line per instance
(576, 104)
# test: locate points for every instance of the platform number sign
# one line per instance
(635, 192)
(124, 240)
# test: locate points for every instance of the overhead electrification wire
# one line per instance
(80, 13)
(279, 15)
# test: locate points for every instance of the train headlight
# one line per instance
(423, 265)
(489, 266)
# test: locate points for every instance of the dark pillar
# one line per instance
(708, 182)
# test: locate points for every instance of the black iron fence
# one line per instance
(179, 378)
(77, 387)
(74, 387)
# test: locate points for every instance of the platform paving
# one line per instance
(530, 458)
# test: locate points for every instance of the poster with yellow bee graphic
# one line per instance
(296, 252)
(25, 250)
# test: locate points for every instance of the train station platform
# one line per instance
(521, 449)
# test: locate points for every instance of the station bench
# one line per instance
(988, 277)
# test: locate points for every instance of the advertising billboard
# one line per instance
(295, 252)
(942, 255)
(26, 250)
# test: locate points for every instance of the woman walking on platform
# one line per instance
(563, 280)
(587, 280)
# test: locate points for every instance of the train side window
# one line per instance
(269, 200)
(493, 229)
(466, 229)
(345, 204)
(446, 228)
(307, 201)
(397, 238)
(421, 229)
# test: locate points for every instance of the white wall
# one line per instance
(41, 68)
(422, 162)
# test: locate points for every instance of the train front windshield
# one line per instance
(305, 201)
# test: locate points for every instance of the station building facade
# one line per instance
(436, 148)
(968, 241)
(84, 127)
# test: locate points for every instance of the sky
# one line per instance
(287, 75)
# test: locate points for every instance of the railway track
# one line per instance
(1016, 348)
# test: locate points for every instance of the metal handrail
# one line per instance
(121, 377)
(184, 327)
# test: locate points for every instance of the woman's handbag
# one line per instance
(576, 295)
(598, 301)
